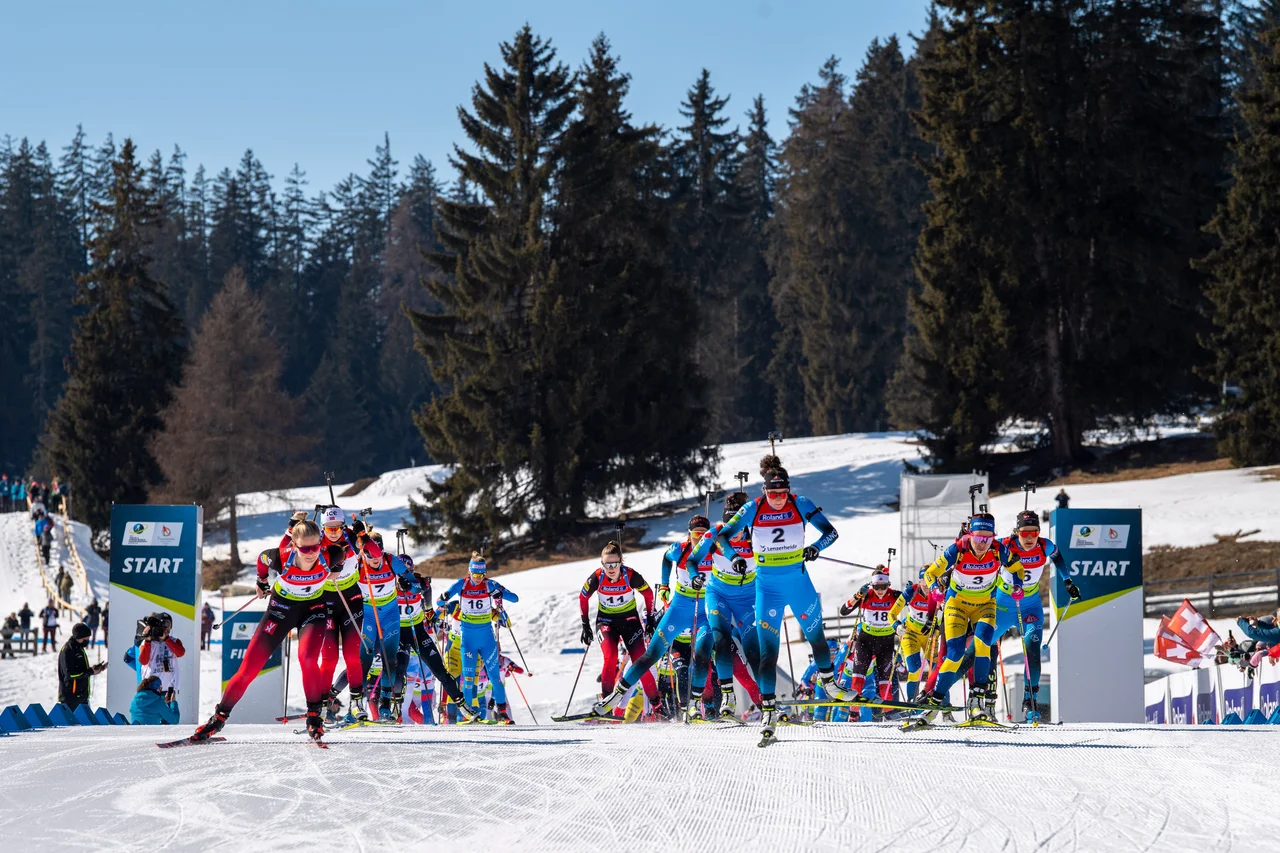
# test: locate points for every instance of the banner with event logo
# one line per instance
(1095, 661)
(155, 569)
(263, 701)
(1268, 688)
(1156, 701)
(1182, 697)
(1237, 691)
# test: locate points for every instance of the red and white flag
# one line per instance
(1192, 629)
(1170, 647)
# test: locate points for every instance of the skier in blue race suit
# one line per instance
(479, 598)
(777, 522)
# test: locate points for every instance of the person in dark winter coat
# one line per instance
(1062, 498)
(150, 708)
(74, 668)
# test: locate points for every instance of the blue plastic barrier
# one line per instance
(1232, 719)
(61, 716)
(120, 719)
(84, 715)
(1255, 718)
(12, 721)
(37, 717)
(1208, 721)
(103, 716)
(1274, 719)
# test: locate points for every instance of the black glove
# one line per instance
(263, 586)
(739, 565)
(650, 623)
(698, 581)
(357, 527)
(810, 553)
(587, 634)
(405, 583)
(1072, 589)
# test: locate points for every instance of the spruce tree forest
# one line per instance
(1064, 213)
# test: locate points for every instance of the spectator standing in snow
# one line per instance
(106, 619)
(7, 630)
(5, 506)
(92, 616)
(74, 668)
(1062, 498)
(24, 618)
(151, 706)
(65, 586)
(49, 621)
(206, 626)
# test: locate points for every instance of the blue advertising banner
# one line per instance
(1103, 553)
(263, 700)
(156, 569)
(1155, 712)
(1182, 710)
(1095, 663)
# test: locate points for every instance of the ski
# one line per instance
(866, 703)
(189, 742)
(291, 719)
(982, 724)
(589, 715)
(767, 737)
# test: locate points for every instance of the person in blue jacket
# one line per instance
(150, 708)
(480, 598)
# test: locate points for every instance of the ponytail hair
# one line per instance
(770, 463)
(304, 528)
(611, 547)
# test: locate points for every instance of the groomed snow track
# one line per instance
(645, 787)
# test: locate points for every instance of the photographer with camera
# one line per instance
(158, 652)
(152, 705)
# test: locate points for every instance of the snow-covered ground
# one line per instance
(827, 787)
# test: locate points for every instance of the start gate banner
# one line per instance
(155, 568)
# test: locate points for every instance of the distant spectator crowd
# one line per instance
(16, 493)
(1262, 641)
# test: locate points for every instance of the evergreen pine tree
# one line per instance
(1244, 287)
(479, 347)
(125, 360)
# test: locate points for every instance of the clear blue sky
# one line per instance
(318, 83)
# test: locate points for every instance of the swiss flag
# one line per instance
(1192, 630)
(1170, 647)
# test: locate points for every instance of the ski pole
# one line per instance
(1060, 621)
(847, 563)
(693, 651)
(218, 625)
(285, 711)
(1004, 683)
(575, 680)
(791, 666)
(516, 682)
(352, 617)
(518, 651)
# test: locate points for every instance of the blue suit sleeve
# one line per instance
(741, 519)
(507, 595)
(452, 591)
(814, 516)
(669, 558)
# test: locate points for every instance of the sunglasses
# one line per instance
(337, 527)
(980, 534)
(309, 549)
(776, 493)
(1029, 531)
(612, 565)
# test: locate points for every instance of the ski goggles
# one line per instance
(612, 565)
(308, 549)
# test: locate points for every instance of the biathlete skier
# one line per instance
(479, 597)
(618, 617)
(296, 601)
(1035, 553)
(777, 522)
(684, 609)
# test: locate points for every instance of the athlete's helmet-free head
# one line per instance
(880, 580)
(1028, 519)
(332, 517)
(732, 504)
(477, 566)
(777, 483)
(699, 522)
